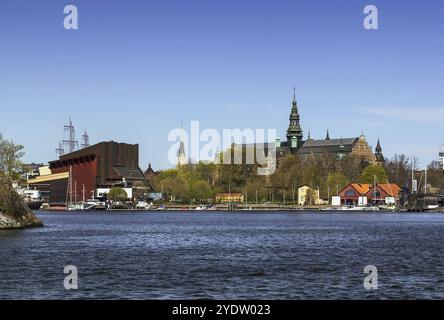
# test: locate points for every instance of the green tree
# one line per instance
(200, 190)
(11, 203)
(235, 175)
(117, 194)
(10, 158)
(255, 187)
(176, 188)
(373, 172)
(336, 181)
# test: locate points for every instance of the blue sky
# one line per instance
(135, 69)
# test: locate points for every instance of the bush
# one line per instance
(10, 201)
(117, 194)
(372, 173)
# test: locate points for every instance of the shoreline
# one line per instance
(299, 211)
(24, 222)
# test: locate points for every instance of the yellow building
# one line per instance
(44, 171)
(308, 196)
(229, 198)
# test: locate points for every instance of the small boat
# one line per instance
(84, 206)
(351, 208)
(143, 205)
(88, 205)
(33, 198)
(34, 204)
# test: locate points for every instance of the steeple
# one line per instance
(378, 153)
(378, 147)
(181, 157)
(294, 132)
(341, 151)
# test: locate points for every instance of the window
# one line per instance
(350, 193)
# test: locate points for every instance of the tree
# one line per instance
(336, 181)
(235, 176)
(435, 177)
(373, 172)
(140, 189)
(255, 187)
(10, 158)
(117, 194)
(399, 169)
(200, 190)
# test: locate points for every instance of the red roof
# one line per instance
(392, 189)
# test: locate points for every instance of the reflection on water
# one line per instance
(219, 255)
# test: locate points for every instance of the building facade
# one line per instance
(338, 149)
(384, 193)
(377, 194)
(229, 198)
(351, 193)
(308, 196)
(76, 176)
(342, 148)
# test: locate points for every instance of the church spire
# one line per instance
(294, 132)
(181, 157)
(378, 154)
(378, 146)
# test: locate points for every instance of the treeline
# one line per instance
(201, 182)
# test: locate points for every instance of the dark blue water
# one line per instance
(176, 255)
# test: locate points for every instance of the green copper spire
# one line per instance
(341, 151)
(294, 128)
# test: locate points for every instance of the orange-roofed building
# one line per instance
(380, 192)
(350, 194)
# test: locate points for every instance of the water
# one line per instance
(219, 255)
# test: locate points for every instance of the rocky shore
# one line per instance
(14, 213)
(26, 221)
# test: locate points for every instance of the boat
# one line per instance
(83, 206)
(351, 208)
(34, 204)
(143, 205)
(88, 205)
(97, 204)
(33, 198)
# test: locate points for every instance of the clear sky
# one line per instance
(135, 69)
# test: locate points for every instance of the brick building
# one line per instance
(104, 165)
